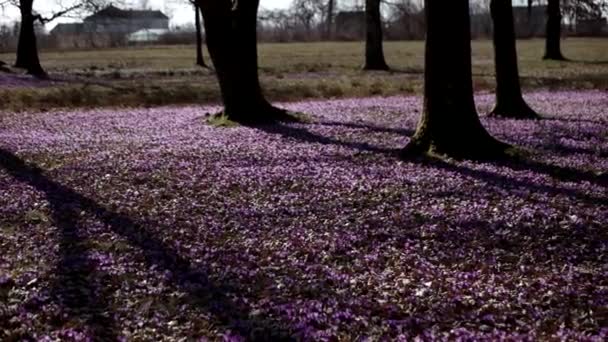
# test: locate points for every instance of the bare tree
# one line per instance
(27, 49)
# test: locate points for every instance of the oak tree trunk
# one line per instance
(554, 31)
(509, 100)
(449, 124)
(374, 53)
(27, 48)
(200, 60)
(231, 34)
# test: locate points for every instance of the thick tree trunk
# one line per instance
(374, 53)
(232, 42)
(509, 100)
(27, 48)
(200, 60)
(554, 31)
(449, 124)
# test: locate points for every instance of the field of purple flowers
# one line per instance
(149, 224)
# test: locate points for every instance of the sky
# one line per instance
(179, 14)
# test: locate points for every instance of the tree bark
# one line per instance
(554, 31)
(449, 124)
(509, 100)
(200, 60)
(231, 34)
(27, 48)
(374, 52)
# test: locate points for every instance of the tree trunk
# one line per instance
(554, 31)
(200, 60)
(27, 48)
(509, 100)
(329, 20)
(232, 42)
(449, 124)
(374, 53)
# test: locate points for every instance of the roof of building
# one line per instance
(67, 28)
(112, 12)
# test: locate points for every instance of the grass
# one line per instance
(153, 76)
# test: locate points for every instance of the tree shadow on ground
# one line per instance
(562, 173)
(304, 135)
(551, 139)
(367, 127)
(75, 269)
(548, 117)
(74, 288)
(518, 164)
(601, 62)
(78, 286)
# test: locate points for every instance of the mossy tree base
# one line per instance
(481, 148)
(260, 115)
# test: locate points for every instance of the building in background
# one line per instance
(350, 25)
(530, 22)
(115, 20)
(111, 26)
(591, 27)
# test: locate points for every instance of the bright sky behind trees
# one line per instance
(178, 10)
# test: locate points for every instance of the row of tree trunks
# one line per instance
(450, 124)
(374, 52)
(509, 99)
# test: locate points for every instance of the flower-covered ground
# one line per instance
(149, 224)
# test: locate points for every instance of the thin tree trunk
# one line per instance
(554, 31)
(449, 124)
(200, 60)
(329, 20)
(27, 48)
(374, 53)
(509, 100)
(232, 42)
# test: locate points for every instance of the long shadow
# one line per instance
(306, 136)
(563, 173)
(75, 288)
(565, 150)
(202, 292)
(587, 62)
(547, 117)
(509, 182)
(558, 172)
(368, 127)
